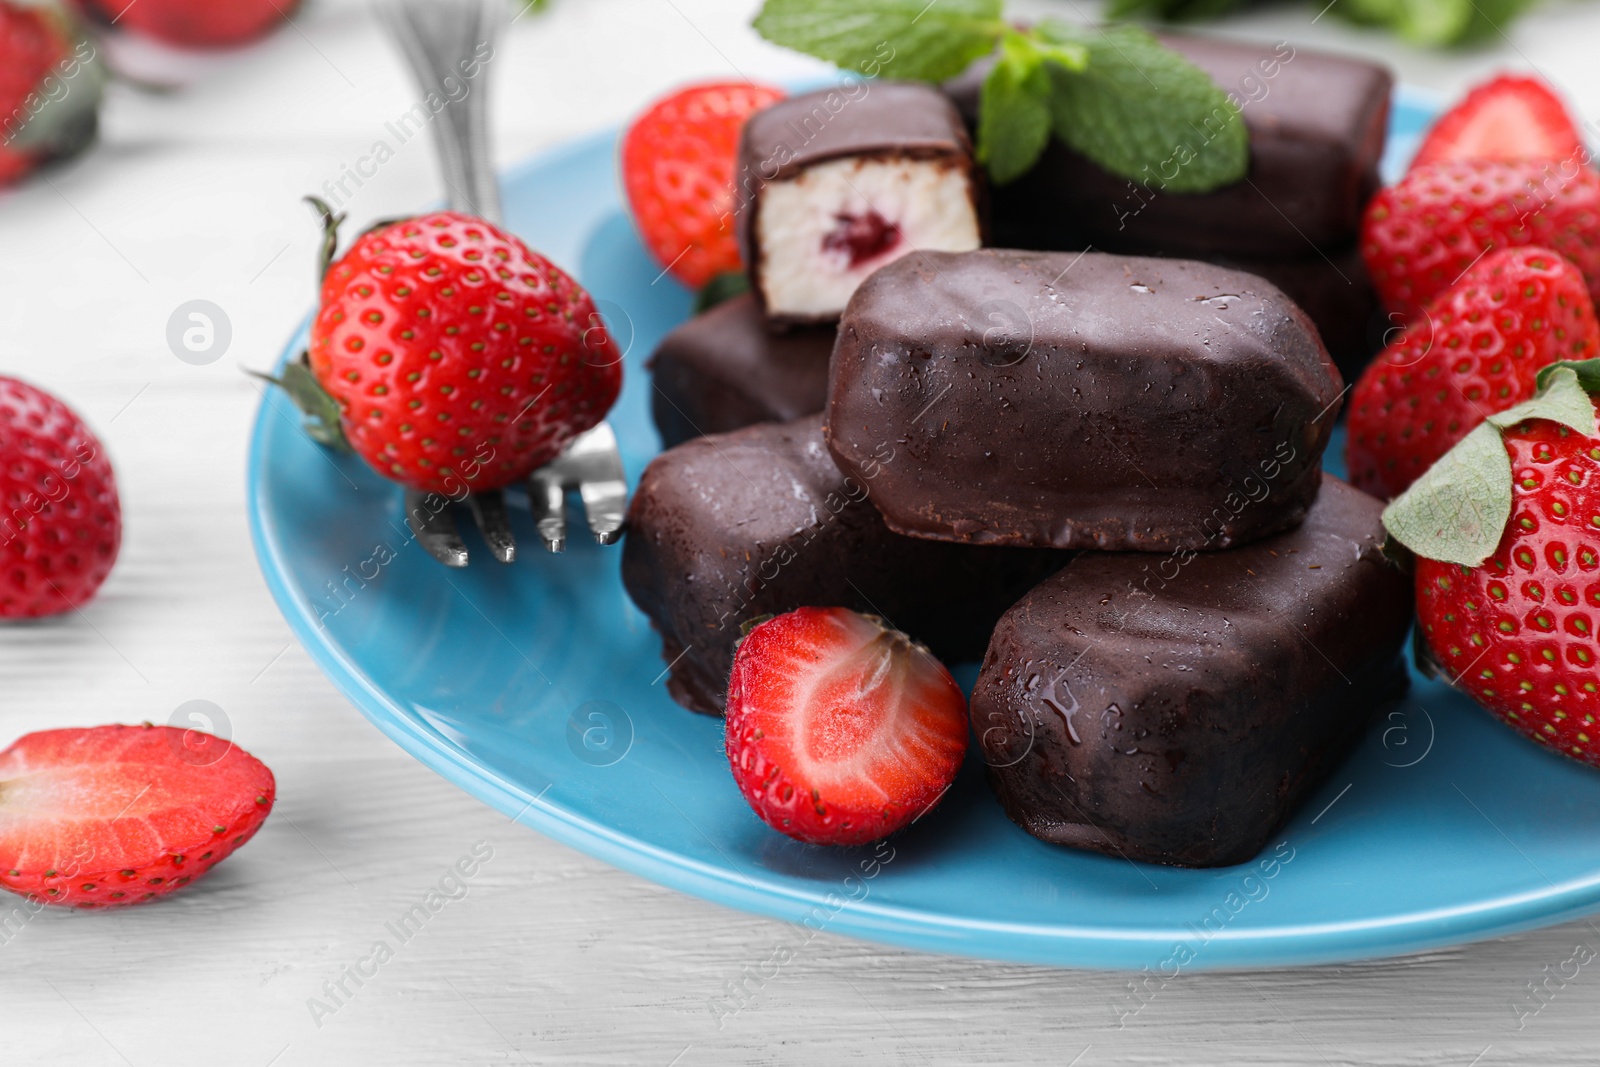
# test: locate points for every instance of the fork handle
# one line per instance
(449, 44)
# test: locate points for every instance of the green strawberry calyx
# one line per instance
(1458, 510)
(320, 408)
(296, 378)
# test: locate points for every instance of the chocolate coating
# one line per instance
(860, 119)
(757, 522)
(1087, 401)
(1178, 710)
(1317, 127)
(871, 119)
(723, 370)
(1334, 291)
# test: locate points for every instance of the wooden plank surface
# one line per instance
(547, 956)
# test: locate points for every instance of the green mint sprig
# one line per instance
(909, 39)
(1118, 96)
(1142, 110)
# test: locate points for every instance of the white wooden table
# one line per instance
(551, 957)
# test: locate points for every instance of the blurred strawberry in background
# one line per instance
(195, 23)
(51, 80)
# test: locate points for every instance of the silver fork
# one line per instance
(440, 40)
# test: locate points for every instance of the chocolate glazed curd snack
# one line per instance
(1317, 124)
(1087, 401)
(723, 370)
(1178, 709)
(834, 184)
(726, 529)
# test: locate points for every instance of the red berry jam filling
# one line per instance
(864, 237)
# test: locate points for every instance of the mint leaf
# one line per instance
(1014, 111)
(1457, 511)
(1143, 111)
(1069, 56)
(911, 39)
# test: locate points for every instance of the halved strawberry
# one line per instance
(119, 815)
(841, 730)
(1509, 117)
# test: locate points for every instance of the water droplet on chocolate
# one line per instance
(1059, 698)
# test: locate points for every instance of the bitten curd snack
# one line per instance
(836, 183)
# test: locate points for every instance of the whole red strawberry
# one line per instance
(1518, 631)
(60, 522)
(459, 359)
(50, 86)
(1421, 235)
(196, 23)
(1506, 530)
(1476, 349)
(678, 160)
(1507, 117)
(840, 730)
(120, 815)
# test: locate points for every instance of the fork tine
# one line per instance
(601, 482)
(428, 515)
(489, 509)
(548, 499)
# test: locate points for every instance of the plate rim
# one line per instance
(1053, 945)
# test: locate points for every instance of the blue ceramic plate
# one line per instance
(538, 688)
